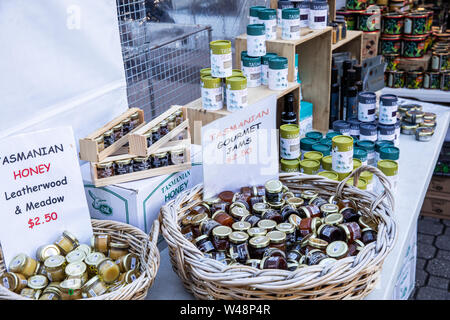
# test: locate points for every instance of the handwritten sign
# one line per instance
(241, 149)
(42, 191)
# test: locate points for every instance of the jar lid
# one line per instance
(238, 237)
(367, 229)
(94, 258)
(356, 163)
(238, 212)
(90, 283)
(313, 155)
(367, 129)
(198, 218)
(316, 135)
(332, 134)
(290, 165)
(236, 83)
(117, 126)
(119, 245)
(324, 149)
(266, 224)
(367, 222)
(123, 162)
(383, 143)
(429, 116)
(255, 9)
(362, 183)
(290, 13)
(343, 143)
(424, 131)
(108, 133)
(276, 236)
(278, 63)
(329, 208)
(337, 249)
(161, 154)
(326, 261)
(265, 59)
(408, 126)
(205, 72)
(388, 167)
(79, 267)
(407, 107)
(155, 128)
(260, 207)
(428, 123)
(317, 243)
(217, 213)
(220, 46)
(329, 175)
(289, 131)
(366, 145)
(389, 153)
(327, 141)
(294, 220)
(388, 99)
(135, 115)
(367, 97)
(267, 14)
(251, 62)
(415, 114)
(307, 143)
(359, 244)
(241, 226)
(222, 231)
(126, 121)
(273, 186)
(333, 218)
(37, 282)
(71, 284)
(256, 231)
(43, 252)
(295, 201)
(55, 261)
(309, 194)
(368, 176)
(140, 159)
(75, 255)
(310, 164)
(285, 227)
(209, 82)
(259, 241)
(257, 29)
(100, 139)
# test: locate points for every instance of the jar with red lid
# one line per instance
(257, 246)
(204, 244)
(223, 218)
(222, 205)
(309, 195)
(368, 235)
(201, 208)
(207, 225)
(331, 233)
(277, 239)
(220, 238)
(252, 219)
(287, 210)
(272, 214)
(296, 202)
(266, 224)
(352, 231)
(329, 208)
(290, 231)
(350, 215)
(315, 256)
(226, 196)
(238, 212)
(274, 263)
(243, 226)
(318, 201)
(310, 211)
(259, 208)
(195, 224)
(238, 246)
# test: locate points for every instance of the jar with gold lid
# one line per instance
(100, 143)
(23, 264)
(71, 289)
(195, 224)
(37, 282)
(243, 226)
(15, 282)
(171, 123)
(31, 293)
(337, 249)
(40, 269)
(118, 249)
(257, 246)
(266, 224)
(255, 263)
(45, 251)
(117, 131)
(105, 169)
(220, 238)
(317, 243)
(349, 214)
(155, 134)
(252, 219)
(294, 255)
(287, 210)
(178, 117)
(177, 156)
(309, 211)
(273, 191)
(352, 231)
(204, 244)
(277, 205)
(201, 208)
(223, 218)
(277, 239)
(55, 268)
(141, 163)
(108, 271)
(238, 246)
(367, 222)
(368, 235)
(290, 231)
(273, 252)
(129, 276)
(123, 166)
(276, 262)
(77, 270)
(75, 256)
(126, 126)
(237, 212)
(94, 287)
(315, 256)
(100, 242)
(219, 206)
(333, 219)
(207, 225)
(128, 262)
(256, 231)
(272, 214)
(92, 261)
(329, 208)
(259, 208)
(163, 128)
(108, 138)
(296, 202)
(346, 203)
(67, 242)
(134, 120)
(160, 159)
(331, 233)
(295, 220)
(51, 294)
(318, 201)
(308, 195)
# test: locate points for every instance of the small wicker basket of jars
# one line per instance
(120, 264)
(327, 241)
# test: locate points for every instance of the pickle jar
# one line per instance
(128, 262)
(67, 242)
(337, 249)
(277, 239)
(134, 123)
(331, 233)
(352, 231)
(315, 256)
(77, 270)
(272, 214)
(223, 218)
(368, 235)
(51, 294)
(220, 238)
(242, 226)
(108, 138)
(118, 249)
(177, 156)
(45, 251)
(329, 208)
(141, 164)
(92, 261)
(310, 211)
(252, 219)
(256, 231)
(309, 195)
(207, 225)
(75, 256)
(290, 231)
(126, 126)
(259, 208)
(15, 282)
(71, 289)
(238, 246)
(160, 160)
(257, 246)
(273, 191)
(124, 166)
(118, 131)
(108, 270)
(100, 242)
(100, 143)
(155, 134)
(23, 264)
(55, 268)
(267, 225)
(287, 210)
(94, 287)
(350, 214)
(276, 262)
(105, 170)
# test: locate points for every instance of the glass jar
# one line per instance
(290, 231)
(367, 222)
(272, 214)
(287, 210)
(238, 246)
(317, 243)
(141, 164)
(155, 134)
(201, 208)
(254, 200)
(315, 256)
(259, 191)
(241, 200)
(118, 249)
(207, 225)
(55, 268)
(177, 156)
(178, 117)
(256, 232)
(45, 251)
(23, 264)
(108, 138)
(226, 196)
(195, 224)
(108, 271)
(51, 294)
(221, 205)
(247, 191)
(259, 208)
(223, 218)
(100, 143)
(255, 263)
(77, 270)
(100, 242)
(333, 219)
(276, 262)
(267, 225)
(350, 214)
(220, 238)
(92, 261)
(71, 289)
(118, 131)
(310, 211)
(67, 242)
(30, 293)
(305, 226)
(273, 191)
(309, 195)
(85, 248)
(257, 246)
(126, 126)
(337, 249)
(15, 282)
(329, 208)
(171, 123)
(277, 239)
(149, 138)
(295, 220)
(163, 128)
(135, 121)
(75, 256)
(368, 235)
(294, 255)
(204, 244)
(128, 262)
(296, 202)
(318, 201)
(105, 170)
(352, 231)
(94, 287)
(243, 226)
(346, 203)
(160, 160)
(252, 219)
(237, 212)
(331, 233)
(123, 166)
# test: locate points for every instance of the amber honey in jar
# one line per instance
(220, 238)
(37, 282)
(346, 203)
(15, 282)
(277, 239)
(92, 261)
(128, 262)
(55, 268)
(223, 218)
(267, 225)
(257, 246)
(77, 270)
(75, 256)
(100, 242)
(238, 246)
(23, 264)
(94, 287)
(118, 249)
(108, 270)
(51, 294)
(67, 242)
(30, 293)
(71, 289)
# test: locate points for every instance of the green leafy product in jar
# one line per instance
(289, 141)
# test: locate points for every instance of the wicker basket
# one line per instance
(348, 278)
(140, 243)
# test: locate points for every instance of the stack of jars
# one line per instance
(416, 122)
(164, 127)
(271, 227)
(68, 270)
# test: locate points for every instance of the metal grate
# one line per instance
(162, 61)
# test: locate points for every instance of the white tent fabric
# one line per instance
(60, 64)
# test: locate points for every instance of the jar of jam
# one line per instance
(305, 226)
(171, 124)
(295, 220)
(134, 123)
(287, 210)
(329, 208)
(259, 191)
(317, 243)
(155, 134)
(226, 196)
(67, 242)
(333, 200)
(309, 195)
(23, 264)
(55, 268)
(289, 230)
(331, 233)
(163, 128)
(237, 212)
(354, 248)
(257, 246)
(267, 225)
(277, 239)
(294, 255)
(368, 235)
(255, 263)
(100, 242)
(333, 219)
(337, 249)
(253, 220)
(207, 225)
(259, 208)
(271, 214)
(204, 244)
(220, 238)
(118, 249)
(367, 222)
(247, 191)
(292, 265)
(123, 166)
(352, 231)
(347, 203)
(141, 164)
(201, 208)
(310, 211)
(274, 252)
(274, 191)
(108, 138)
(195, 224)
(160, 160)
(274, 263)
(314, 257)
(223, 218)
(296, 202)
(219, 256)
(15, 282)
(238, 246)
(105, 170)
(178, 117)
(177, 156)
(318, 201)
(94, 287)
(243, 226)
(100, 143)
(256, 231)
(220, 205)
(350, 214)
(126, 126)
(118, 131)
(254, 200)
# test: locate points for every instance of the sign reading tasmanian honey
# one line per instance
(241, 148)
(41, 191)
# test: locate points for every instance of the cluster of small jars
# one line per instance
(68, 270)
(137, 164)
(164, 127)
(271, 227)
(417, 122)
(118, 131)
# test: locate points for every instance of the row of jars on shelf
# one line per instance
(164, 127)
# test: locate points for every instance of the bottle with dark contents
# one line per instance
(220, 205)
(310, 211)
(287, 210)
(108, 138)
(160, 160)
(346, 203)
(274, 191)
(350, 215)
(207, 226)
(368, 235)
(254, 200)
(352, 231)
(314, 257)
(163, 128)
(288, 116)
(105, 170)
(290, 231)
(220, 238)
(126, 126)
(257, 246)
(274, 263)
(204, 244)
(238, 246)
(171, 123)
(259, 208)
(271, 214)
(242, 226)
(309, 195)
(252, 219)
(267, 225)
(134, 121)
(123, 166)
(259, 191)
(277, 239)
(155, 134)
(226, 196)
(328, 209)
(141, 164)
(223, 218)
(195, 224)
(238, 212)
(118, 131)
(331, 233)
(201, 208)
(178, 117)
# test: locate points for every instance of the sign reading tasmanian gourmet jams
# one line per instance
(41, 191)
(241, 149)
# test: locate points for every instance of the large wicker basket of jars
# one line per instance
(321, 239)
(120, 263)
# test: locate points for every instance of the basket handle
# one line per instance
(387, 193)
(153, 235)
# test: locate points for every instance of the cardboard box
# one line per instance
(370, 44)
(436, 205)
(415, 64)
(138, 202)
(440, 185)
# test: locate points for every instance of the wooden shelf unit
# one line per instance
(352, 43)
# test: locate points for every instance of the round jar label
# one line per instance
(290, 148)
(366, 112)
(341, 162)
(253, 75)
(236, 99)
(271, 29)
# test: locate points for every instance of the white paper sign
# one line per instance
(41, 191)
(241, 149)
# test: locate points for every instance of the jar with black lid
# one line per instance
(272, 214)
(331, 233)
(105, 170)
(160, 160)
(315, 256)
(252, 219)
(329, 208)
(273, 191)
(123, 166)
(163, 128)
(267, 225)
(155, 134)
(276, 262)
(310, 211)
(350, 214)
(289, 230)
(141, 164)
(368, 235)
(108, 138)
(309, 195)
(204, 244)
(195, 224)
(207, 225)
(238, 246)
(259, 208)
(242, 226)
(126, 126)
(257, 246)
(287, 210)
(277, 239)
(220, 238)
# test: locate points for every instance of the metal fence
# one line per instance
(162, 61)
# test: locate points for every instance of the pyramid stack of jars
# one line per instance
(68, 270)
(416, 122)
(270, 227)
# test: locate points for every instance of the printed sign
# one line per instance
(42, 191)
(241, 149)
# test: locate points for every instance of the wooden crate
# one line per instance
(199, 117)
(88, 146)
(314, 56)
(171, 145)
(138, 142)
(352, 43)
(437, 205)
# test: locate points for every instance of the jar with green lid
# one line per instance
(221, 60)
(205, 72)
(390, 169)
(313, 155)
(290, 24)
(389, 153)
(251, 68)
(327, 163)
(268, 17)
(368, 176)
(290, 165)
(329, 174)
(360, 154)
(256, 40)
(310, 166)
(356, 163)
(265, 67)
(254, 14)
(316, 135)
(236, 93)
(342, 154)
(278, 73)
(123, 166)
(105, 170)
(306, 145)
(381, 144)
(369, 147)
(362, 183)
(332, 134)
(212, 93)
(289, 141)
(324, 149)
(342, 176)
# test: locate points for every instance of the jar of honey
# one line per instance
(238, 246)
(128, 262)
(238, 212)
(220, 238)
(71, 289)
(366, 222)
(37, 282)
(15, 282)
(92, 261)
(100, 242)
(129, 276)
(108, 271)
(178, 117)
(294, 255)
(30, 293)
(255, 263)
(226, 196)
(94, 287)
(51, 294)
(315, 256)
(135, 121)
(207, 225)
(23, 264)
(118, 131)
(318, 201)
(77, 270)
(201, 208)
(85, 248)
(108, 138)
(126, 126)
(55, 268)
(317, 243)
(45, 251)
(257, 246)
(346, 203)
(67, 242)
(118, 249)
(219, 206)
(277, 239)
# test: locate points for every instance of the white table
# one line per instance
(416, 165)
(431, 95)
